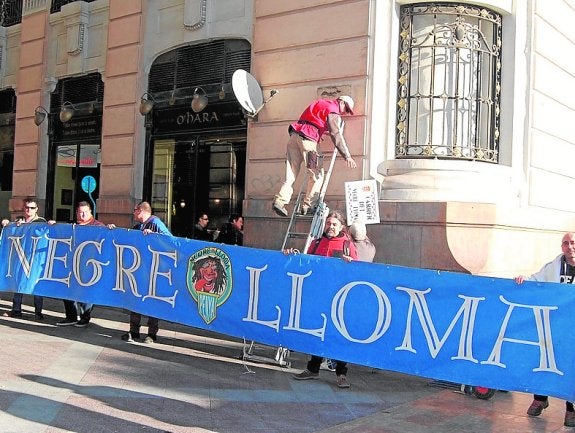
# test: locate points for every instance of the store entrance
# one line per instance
(76, 178)
(195, 175)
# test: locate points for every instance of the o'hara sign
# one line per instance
(448, 326)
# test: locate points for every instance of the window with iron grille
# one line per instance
(57, 4)
(449, 82)
(207, 64)
(10, 12)
(78, 90)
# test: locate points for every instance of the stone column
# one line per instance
(123, 133)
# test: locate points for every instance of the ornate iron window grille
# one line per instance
(10, 12)
(449, 83)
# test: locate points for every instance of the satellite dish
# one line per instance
(248, 92)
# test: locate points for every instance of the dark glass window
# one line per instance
(449, 82)
(7, 126)
(57, 4)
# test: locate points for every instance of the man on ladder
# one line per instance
(320, 117)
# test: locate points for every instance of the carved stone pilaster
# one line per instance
(194, 14)
(76, 25)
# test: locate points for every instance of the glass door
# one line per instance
(76, 179)
(197, 175)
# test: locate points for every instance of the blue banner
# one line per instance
(448, 326)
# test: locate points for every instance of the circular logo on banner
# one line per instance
(209, 280)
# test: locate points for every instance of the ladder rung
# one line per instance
(298, 235)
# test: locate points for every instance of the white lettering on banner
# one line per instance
(383, 312)
(52, 257)
(127, 272)
(468, 310)
(16, 245)
(545, 341)
(254, 298)
(155, 273)
(295, 307)
(95, 264)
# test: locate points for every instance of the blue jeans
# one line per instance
(17, 303)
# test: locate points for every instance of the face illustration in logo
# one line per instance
(209, 280)
(209, 275)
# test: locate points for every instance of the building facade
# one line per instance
(463, 116)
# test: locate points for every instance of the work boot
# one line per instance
(280, 209)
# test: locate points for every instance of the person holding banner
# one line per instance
(559, 270)
(334, 243)
(84, 217)
(148, 223)
(320, 117)
(30, 209)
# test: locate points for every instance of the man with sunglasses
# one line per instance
(201, 229)
(323, 116)
(30, 209)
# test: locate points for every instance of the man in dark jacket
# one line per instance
(232, 232)
(201, 229)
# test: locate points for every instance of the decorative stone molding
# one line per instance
(50, 84)
(76, 25)
(32, 6)
(75, 39)
(194, 14)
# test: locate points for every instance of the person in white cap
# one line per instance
(363, 245)
(320, 117)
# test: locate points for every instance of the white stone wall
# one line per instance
(550, 150)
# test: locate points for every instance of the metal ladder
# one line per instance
(319, 216)
(314, 231)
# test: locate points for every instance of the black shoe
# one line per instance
(280, 209)
(15, 314)
(129, 337)
(67, 322)
(82, 323)
(39, 316)
(150, 339)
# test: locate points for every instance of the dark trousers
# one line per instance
(315, 362)
(72, 310)
(568, 404)
(136, 319)
(17, 303)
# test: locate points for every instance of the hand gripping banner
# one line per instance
(447, 326)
